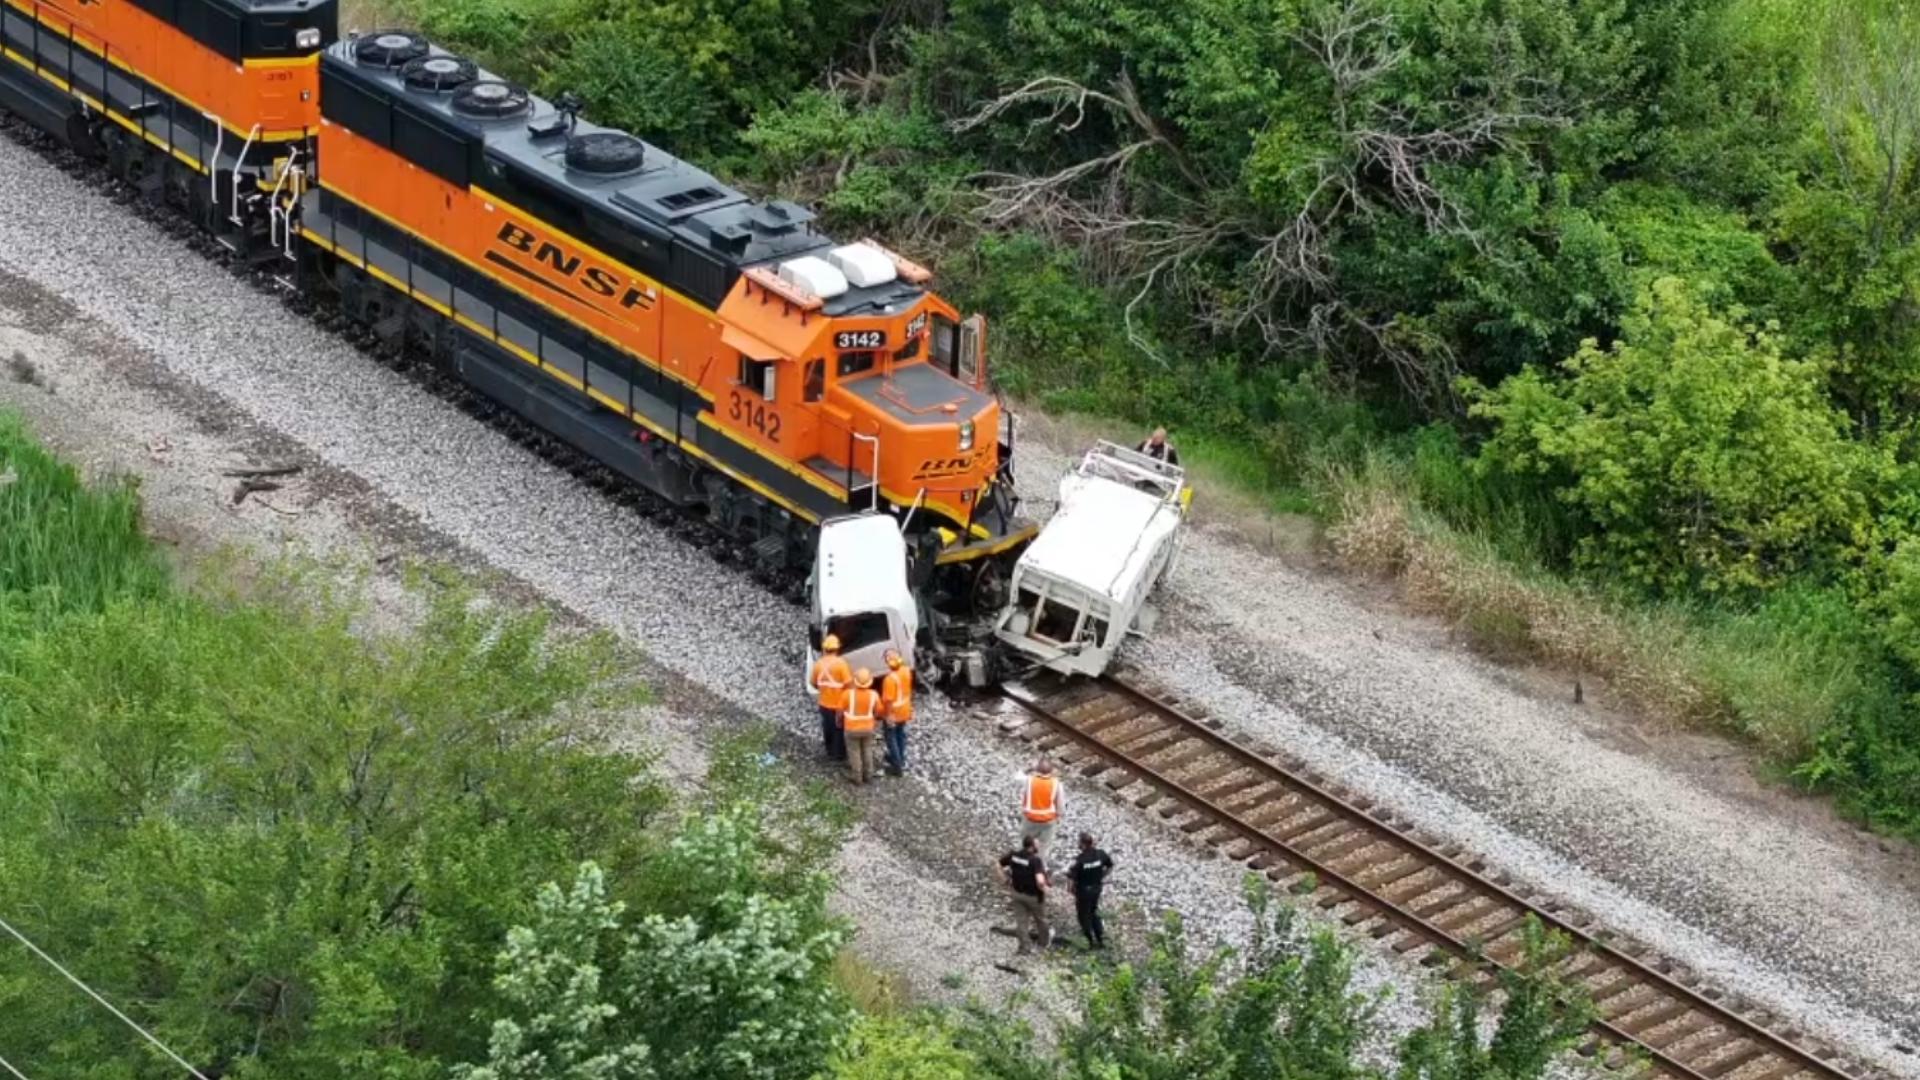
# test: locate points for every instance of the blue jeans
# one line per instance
(896, 737)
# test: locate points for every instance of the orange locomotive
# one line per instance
(204, 104)
(717, 350)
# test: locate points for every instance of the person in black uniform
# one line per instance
(1025, 871)
(1086, 877)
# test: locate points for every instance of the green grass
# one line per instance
(1799, 674)
(64, 546)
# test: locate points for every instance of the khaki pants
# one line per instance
(860, 755)
(1042, 833)
(1030, 921)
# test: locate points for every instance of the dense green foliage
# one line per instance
(1668, 249)
(1284, 1008)
(292, 844)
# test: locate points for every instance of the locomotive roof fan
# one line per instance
(491, 99)
(438, 73)
(605, 153)
(389, 48)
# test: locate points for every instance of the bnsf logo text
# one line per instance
(595, 279)
(932, 467)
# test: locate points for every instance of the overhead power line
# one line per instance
(16, 1073)
(104, 1003)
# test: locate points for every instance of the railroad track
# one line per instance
(1377, 876)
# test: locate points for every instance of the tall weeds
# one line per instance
(1782, 673)
(63, 545)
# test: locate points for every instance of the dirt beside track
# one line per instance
(152, 361)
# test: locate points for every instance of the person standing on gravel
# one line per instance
(1025, 871)
(1086, 877)
(1040, 806)
(831, 679)
(896, 708)
(863, 711)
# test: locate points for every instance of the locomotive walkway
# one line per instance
(1370, 871)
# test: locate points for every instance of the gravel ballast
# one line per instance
(141, 339)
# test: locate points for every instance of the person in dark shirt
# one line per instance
(1086, 877)
(1026, 873)
(1156, 446)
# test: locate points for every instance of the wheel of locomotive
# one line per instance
(84, 138)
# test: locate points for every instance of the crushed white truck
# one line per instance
(1085, 582)
(1074, 594)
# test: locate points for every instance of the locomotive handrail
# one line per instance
(274, 213)
(213, 163)
(875, 472)
(918, 501)
(238, 164)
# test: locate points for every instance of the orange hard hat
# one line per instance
(831, 643)
(893, 659)
(863, 677)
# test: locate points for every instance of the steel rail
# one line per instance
(1397, 913)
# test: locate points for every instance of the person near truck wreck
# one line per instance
(896, 709)
(858, 721)
(831, 678)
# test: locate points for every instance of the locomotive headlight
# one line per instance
(966, 435)
(308, 38)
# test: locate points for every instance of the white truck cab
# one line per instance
(1084, 582)
(860, 594)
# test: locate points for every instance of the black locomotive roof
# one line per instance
(660, 212)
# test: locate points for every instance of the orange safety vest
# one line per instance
(862, 705)
(896, 694)
(832, 677)
(1043, 799)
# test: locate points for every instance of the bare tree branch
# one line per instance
(1383, 158)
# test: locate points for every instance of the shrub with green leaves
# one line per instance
(1697, 453)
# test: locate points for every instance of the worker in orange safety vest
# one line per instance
(859, 720)
(896, 708)
(1040, 805)
(831, 679)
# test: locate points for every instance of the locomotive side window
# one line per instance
(856, 363)
(758, 375)
(971, 363)
(815, 383)
(946, 344)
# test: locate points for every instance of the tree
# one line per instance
(288, 849)
(1697, 453)
(1284, 1010)
(742, 989)
(1542, 1015)
(1855, 227)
